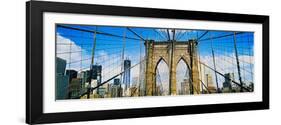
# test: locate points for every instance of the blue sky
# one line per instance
(149, 33)
(109, 49)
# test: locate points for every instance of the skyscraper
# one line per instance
(74, 88)
(227, 87)
(84, 75)
(60, 66)
(61, 79)
(96, 74)
(210, 84)
(127, 73)
(71, 74)
(116, 90)
(116, 81)
(185, 87)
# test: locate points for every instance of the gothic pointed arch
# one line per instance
(161, 78)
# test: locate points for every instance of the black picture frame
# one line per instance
(34, 61)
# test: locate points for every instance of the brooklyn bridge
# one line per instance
(111, 61)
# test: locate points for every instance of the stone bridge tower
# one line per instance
(171, 52)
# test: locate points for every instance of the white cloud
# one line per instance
(110, 66)
(102, 55)
(64, 46)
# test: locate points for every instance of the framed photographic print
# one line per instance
(95, 62)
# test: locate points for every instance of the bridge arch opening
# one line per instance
(162, 78)
(183, 77)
